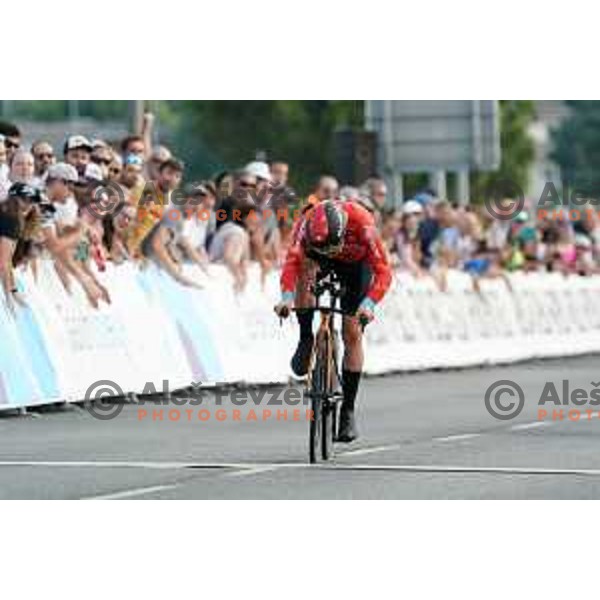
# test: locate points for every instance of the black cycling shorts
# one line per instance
(355, 279)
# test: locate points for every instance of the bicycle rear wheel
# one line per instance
(327, 420)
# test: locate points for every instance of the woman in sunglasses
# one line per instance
(17, 219)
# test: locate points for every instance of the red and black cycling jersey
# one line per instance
(361, 242)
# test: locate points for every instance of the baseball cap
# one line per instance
(92, 173)
(77, 141)
(63, 171)
(24, 190)
(412, 207)
(424, 198)
(259, 169)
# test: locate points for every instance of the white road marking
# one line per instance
(533, 425)
(110, 464)
(372, 450)
(457, 438)
(132, 493)
(253, 471)
(299, 465)
(463, 469)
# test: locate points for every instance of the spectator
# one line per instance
(141, 144)
(231, 246)
(161, 244)
(151, 207)
(15, 214)
(43, 156)
(280, 172)
(408, 242)
(470, 235)
(12, 138)
(243, 191)
(224, 184)
(349, 193)
(103, 156)
(235, 231)
(133, 145)
(584, 261)
(262, 173)
(327, 189)
(117, 227)
(132, 177)
(200, 223)
(4, 170)
(77, 152)
(64, 235)
(115, 169)
(83, 186)
(390, 230)
(159, 155)
(169, 179)
(373, 194)
(22, 167)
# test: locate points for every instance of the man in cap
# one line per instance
(77, 151)
(262, 172)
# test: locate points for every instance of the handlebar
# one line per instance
(327, 310)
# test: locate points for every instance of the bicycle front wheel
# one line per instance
(316, 392)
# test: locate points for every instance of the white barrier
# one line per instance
(157, 330)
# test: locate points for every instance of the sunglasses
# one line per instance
(102, 161)
(10, 144)
(247, 185)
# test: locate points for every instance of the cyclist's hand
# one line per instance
(283, 309)
(364, 316)
(366, 312)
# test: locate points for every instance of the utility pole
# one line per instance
(136, 109)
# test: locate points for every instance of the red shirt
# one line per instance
(361, 243)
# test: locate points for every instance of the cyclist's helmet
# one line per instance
(326, 226)
(25, 191)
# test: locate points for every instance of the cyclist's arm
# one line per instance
(378, 261)
(291, 269)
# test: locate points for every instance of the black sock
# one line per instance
(305, 321)
(350, 381)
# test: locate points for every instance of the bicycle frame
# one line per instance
(326, 332)
(323, 375)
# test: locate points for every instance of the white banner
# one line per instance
(156, 330)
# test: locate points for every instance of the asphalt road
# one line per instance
(424, 435)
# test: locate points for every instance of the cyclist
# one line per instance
(338, 236)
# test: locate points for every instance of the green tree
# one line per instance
(518, 151)
(577, 146)
(214, 135)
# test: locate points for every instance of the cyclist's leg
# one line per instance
(305, 302)
(356, 281)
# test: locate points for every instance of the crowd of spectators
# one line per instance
(94, 201)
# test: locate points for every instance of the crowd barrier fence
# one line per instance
(154, 330)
